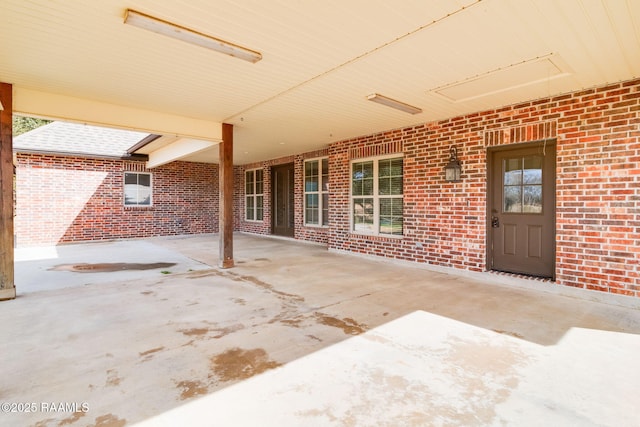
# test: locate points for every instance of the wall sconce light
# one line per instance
(453, 170)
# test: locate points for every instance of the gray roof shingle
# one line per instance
(72, 138)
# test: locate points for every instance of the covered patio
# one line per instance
(298, 335)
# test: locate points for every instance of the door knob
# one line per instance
(495, 222)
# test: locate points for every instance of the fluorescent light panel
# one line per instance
(178, 32)
(389, 102)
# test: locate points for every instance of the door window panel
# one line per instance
(522, 185)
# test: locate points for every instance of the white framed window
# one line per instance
(137, 189)
(377, 196)
(254, 194)
(316, 192)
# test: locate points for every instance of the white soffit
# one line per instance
(514, 76)
(178, 150)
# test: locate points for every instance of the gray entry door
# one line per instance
(521, 226)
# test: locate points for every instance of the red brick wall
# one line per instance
(597, 186)
(67, 199)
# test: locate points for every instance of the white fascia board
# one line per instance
(178, 150)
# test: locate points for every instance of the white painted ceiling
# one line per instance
(320, 60)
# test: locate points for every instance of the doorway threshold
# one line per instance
(522, 276)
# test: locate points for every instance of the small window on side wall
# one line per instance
(137, 189)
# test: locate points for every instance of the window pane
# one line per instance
(391, 216)
(144, 179)
(248, 179)
(396, 167)
(513, 199)
(259, 208)
(312, 209)
(384, 168)
(325, 209)
(512, 172)
(363, 214)
(325, 175)
(367, 187)
(362, 179)
(249, 208)
(532, 170)
(259, 182)
(311, 183)
(130, 194)
(311, 168)
(532, 199)
(130, 178)
(144, 196)
(384, 186)
(357, 188)
(396, 185)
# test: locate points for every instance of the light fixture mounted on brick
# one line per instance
(453, 169)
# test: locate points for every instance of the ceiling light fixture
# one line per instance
(380, 99)
(178, 32)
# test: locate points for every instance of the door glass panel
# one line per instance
(533, 170)
(512, 199)
(522, 185)
(512, 172)
(532, 199)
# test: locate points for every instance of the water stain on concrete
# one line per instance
(226, 331)
(513, 334)
(110, 267)
(191, 389)
(200, 333)
(72, 419)
(487, 372)
(109, 420)
(294, 323)
(348, 325)
(266, 286)
(240, 364)
(149, 352)
(204, 273)
(194, 331)
(112, 378)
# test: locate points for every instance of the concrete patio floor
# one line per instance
(295, 335)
